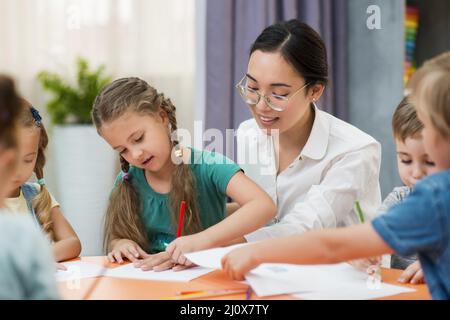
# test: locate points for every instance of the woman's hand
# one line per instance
(125, 248)
(413, 274)
(178, 247)
(239, 261)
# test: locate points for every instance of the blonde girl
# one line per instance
(35, 198)
(158, 174)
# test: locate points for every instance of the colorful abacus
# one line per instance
(411, 26)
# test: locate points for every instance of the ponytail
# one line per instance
(42, 203)
(183, 180)
(122, 219)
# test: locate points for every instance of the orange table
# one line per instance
(125, 289)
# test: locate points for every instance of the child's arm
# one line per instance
(67, 245)
(256, 209)
(253, 210)
(314, 247)
(232, 207)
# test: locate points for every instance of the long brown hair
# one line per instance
(42, 203)
(123, 220)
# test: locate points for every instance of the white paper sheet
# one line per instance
(130, 272)
(338, 281)
(264, 286)
(354, 292)
(78, 270)
(210, 258)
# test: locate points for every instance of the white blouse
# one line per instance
(338, 165)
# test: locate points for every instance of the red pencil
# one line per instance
(180, 219)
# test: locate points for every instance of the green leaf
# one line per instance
(73, 102)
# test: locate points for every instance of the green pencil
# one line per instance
(361, 218)
(359, 212)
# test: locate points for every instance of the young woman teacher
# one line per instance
(313, 165)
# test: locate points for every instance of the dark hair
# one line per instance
(10, 107)
(405, 123)
(299, 45)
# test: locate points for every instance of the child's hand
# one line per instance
(239, 261)
(413, 274)
(125, 248)
(178, 247)
(156, 262)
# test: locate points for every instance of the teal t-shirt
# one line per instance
(212, 172)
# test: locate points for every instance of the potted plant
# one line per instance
(85, 164)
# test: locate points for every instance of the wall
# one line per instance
(375, 76)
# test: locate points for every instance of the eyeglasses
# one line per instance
(252, 97)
